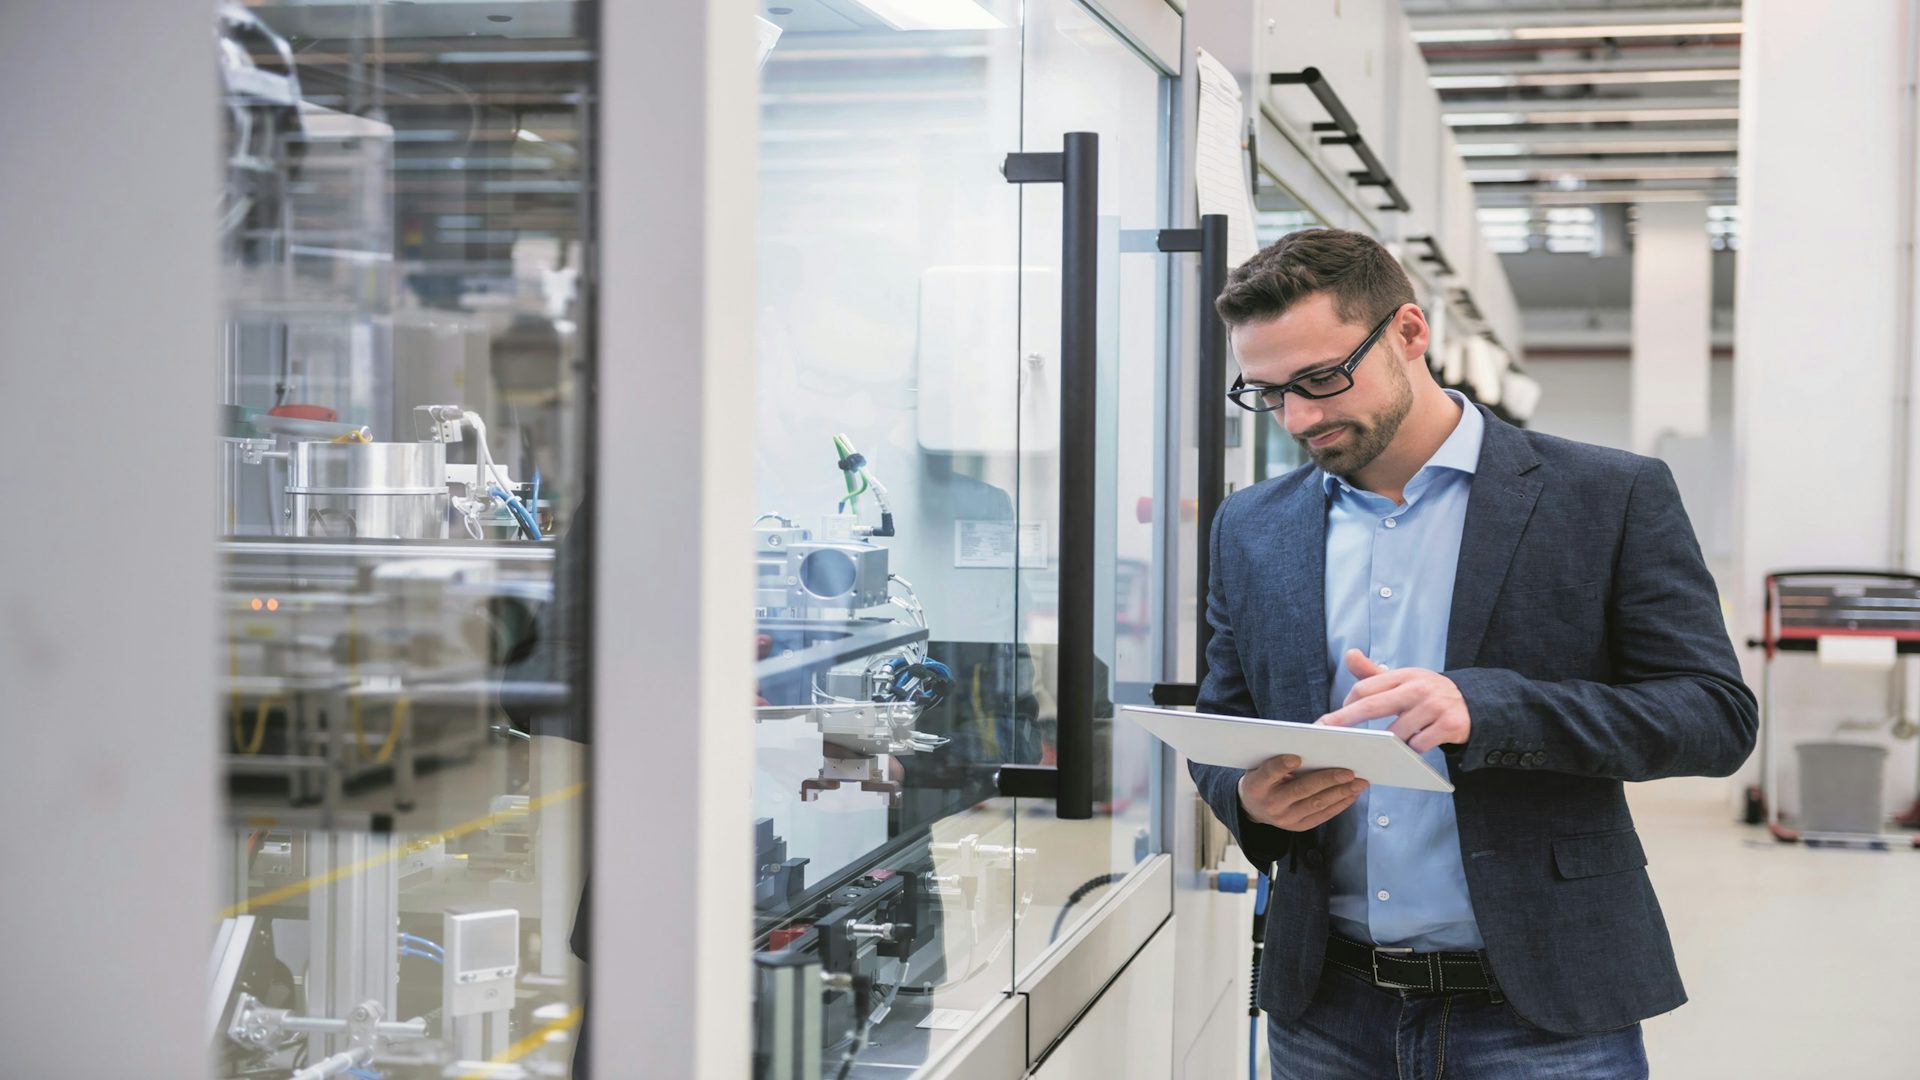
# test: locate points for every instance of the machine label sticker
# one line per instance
(989, 545)
(947, 1019)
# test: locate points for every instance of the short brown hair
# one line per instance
(1364, 279)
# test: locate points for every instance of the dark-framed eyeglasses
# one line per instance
(1324, 383)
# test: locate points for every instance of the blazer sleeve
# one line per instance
(1225, 691)
(1677, 705)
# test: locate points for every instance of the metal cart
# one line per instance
(1802, 607)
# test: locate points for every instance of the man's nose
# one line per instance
(1300, 414)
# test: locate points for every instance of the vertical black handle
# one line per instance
(1210, 428)
(1212, 422)
(1077, 170)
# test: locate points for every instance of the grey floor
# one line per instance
(1799, 963)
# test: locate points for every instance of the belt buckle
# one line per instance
(1373, 959)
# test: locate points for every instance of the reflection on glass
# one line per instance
(403, 223)
(1276, 213)
(1082, 77)
(891, 686)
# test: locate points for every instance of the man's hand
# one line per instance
(1272, 796)
(1428, 706)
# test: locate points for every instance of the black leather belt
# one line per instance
(1404, 969)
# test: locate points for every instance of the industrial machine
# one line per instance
(400, 453)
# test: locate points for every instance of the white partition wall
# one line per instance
(107, 651)
(673, 634)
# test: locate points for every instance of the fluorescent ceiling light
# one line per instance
(1601, 172)
(1443, 37)
(1470, 82)
(1587, 116)
(1505, 213)
(932, 14)
(1563, 198)
(1490, 119)
(1584, 78)
(529, 136)
(1645, 146)
(1552, 33)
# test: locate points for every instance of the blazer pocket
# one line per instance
(1601, 853)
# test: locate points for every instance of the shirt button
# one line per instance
(1386, 592)
(1381, 821)
(1384, 894)
(1391, 523)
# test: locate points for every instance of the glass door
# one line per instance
(1082, 77)
(405, 224)
(887, 382)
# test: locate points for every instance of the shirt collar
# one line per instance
(1461, 451)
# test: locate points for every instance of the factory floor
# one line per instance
(1799, 962)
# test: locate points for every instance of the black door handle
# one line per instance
(1210, 428)
(1076, 168)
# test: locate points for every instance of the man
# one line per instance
(1530, 614)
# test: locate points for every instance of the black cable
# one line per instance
(863, 1007)
(1080, 894)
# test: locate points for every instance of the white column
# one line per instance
(1818, 324)
(108, 347)
(673, 557)
(1672, 317)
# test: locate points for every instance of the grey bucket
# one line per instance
(1840, 787)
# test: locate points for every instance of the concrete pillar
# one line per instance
(1672, 316)
(1826, 184)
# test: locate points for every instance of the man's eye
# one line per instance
(1321, 380)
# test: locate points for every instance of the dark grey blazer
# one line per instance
(1587, 638)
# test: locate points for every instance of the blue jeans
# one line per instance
(1355, 1030)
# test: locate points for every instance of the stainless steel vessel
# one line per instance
(385, 490)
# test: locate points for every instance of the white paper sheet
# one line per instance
(1879, 653)
(1220, 161)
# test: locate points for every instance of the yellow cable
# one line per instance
(401, 708)
(531, 1043)
(252, 745)
(398, 851)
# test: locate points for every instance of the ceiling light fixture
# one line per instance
(1447, 37)
(932, 14)
(1649, 146)
(1584, 78)
(1587, 116)
(1697, 29)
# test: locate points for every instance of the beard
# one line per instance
(1370, 438)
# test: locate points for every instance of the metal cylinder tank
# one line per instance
(370, 490)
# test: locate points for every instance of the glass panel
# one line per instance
(887, 386)
(1277, 212)
(404, 224)
(1081, 77)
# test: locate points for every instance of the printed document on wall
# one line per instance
(1219, 171)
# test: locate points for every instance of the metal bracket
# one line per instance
(1029, 781)
(1035, 168)
(1375, 174)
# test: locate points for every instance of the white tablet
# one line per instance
(1241, 742)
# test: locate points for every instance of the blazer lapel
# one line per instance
(1298, 575)
(1499, 502)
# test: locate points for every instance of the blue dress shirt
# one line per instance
(1396, 873)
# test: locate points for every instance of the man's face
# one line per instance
(1342, 434)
